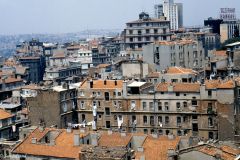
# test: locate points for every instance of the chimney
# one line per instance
(115, 82)
(41, 128)
(123, 134)
(155, 135)
(140, 149)
(34, 140)
(82, 130)
(110, 132)
(170, 87)
(142, 157)
(105, 82)
(69, 130)
(76, 139)
(94, 139)
(170, 136)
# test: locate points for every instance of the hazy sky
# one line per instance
(61, 16)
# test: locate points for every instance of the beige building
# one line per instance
(146, 30)
(183, 109)
(184, 53)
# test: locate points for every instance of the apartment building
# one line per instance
(174, 13)
(184, 53)
(53, 107)
(6, 125)
(146, 30)
(179, 108)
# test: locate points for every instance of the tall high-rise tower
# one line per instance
(173, 12)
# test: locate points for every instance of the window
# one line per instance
(159, 119)
(159, 106)
(152, 131)
(144, 105)
(194, 117)
(155, 31)
(108, 124)
(99, 93)
(147, 31)
(133, 105)
(106, 96)
(65, 107)
(177, 94)
(99, 116)
(107, 111)
(167, 132)
(151, 106)
(179, 121)
(166, 119)
(178, 105)
(152, 121)
(185, 118)
(119, 94)
(184, 104)
(210, 122)
(145, 131)
(209, 93)
(160, 132)
(145, 120)
(83, 117)
(82, 105)
(115, 103)
(81, 93)
(179, 133)
(139, 32)
(115, 117)
(194, 102)
(134, 119)
(210, 109)
(166, 106)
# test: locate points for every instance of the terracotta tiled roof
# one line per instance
(114, 140)
(5, 114)
(11, 80)
(103, 65)
(179, 87)
(63, 147)
(223, 153)
(180, 70)
(157, 148)
(153, 75)
(230, 150)
(58, 55)
(99, 84)
(220, 53)
(214, 84)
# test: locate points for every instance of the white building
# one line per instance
(174, 13)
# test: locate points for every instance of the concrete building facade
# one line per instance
(184, 53)
(146, 30)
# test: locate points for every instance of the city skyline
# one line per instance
(61, 16)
